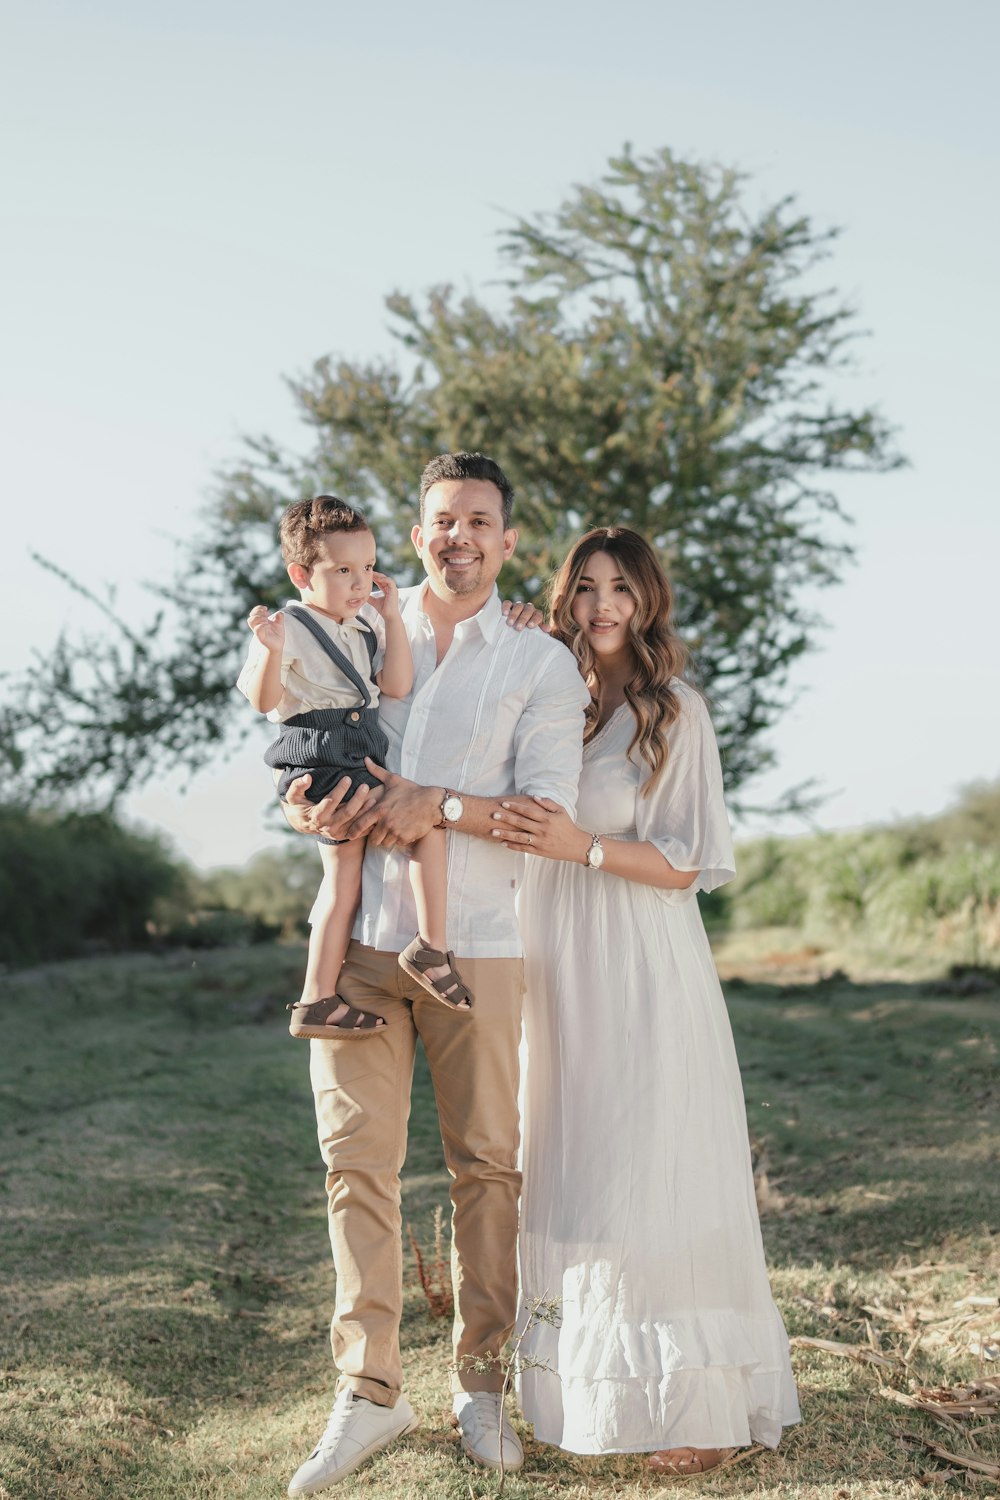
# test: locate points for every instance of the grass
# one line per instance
(167, 1282)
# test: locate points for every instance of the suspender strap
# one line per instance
(342, 662)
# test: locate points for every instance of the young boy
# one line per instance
(316, 669)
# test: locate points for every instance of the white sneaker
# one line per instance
(483, 1424)
(357, 1428)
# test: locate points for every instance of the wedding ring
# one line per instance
(527, 838)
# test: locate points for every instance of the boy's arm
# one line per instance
(262, 680)
(395, 678)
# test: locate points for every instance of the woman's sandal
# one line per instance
(311, 1018)
(679, 1462)
(416, 958)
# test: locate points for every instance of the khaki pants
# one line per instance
(362, 1094)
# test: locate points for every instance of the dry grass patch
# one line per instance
(164, 1324)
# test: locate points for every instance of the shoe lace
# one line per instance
(487, 1409)
(334, 1429)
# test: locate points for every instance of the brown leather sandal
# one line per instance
(679, 1462)
(311, 1018)
(449, 989)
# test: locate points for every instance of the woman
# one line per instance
(638, 1214)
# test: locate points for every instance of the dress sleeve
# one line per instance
(684, 815)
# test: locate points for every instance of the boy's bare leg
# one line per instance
(429, 882)
(332, 919)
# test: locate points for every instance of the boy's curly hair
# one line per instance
(305, 522)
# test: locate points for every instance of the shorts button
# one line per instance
(355, 718)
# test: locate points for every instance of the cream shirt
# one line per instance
(502, 713)
(308, 677)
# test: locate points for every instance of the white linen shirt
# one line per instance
(309, 678)
(502, 714)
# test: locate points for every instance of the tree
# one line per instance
(659, 358)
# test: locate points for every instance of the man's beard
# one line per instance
(463, 580)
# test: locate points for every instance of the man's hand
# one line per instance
(332, 818)
(519, 614)
(405, 811)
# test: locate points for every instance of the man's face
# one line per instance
(461, 539)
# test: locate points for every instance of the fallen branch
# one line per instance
(861, 1352)
(957, 1460)
(980, 1399)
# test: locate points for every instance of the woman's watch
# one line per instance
(452, 809)
(595, 854)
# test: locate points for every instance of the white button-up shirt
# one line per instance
(503, 713)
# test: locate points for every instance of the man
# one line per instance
(492, 711)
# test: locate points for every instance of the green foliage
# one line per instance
(277, 887)
(935, 881)
(959, 890)
(975, 818)
(74, 882)
(845, 871)
(659, 359)
(771, 890)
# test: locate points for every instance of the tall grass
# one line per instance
(932, 885)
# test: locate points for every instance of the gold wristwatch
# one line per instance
(452, 809)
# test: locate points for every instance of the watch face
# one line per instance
(452, 809)
(595, 856)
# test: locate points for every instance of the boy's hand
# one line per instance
(389, 602)
(269, 629)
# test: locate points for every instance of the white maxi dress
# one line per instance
(638, 1213)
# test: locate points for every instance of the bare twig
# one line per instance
(435, 1280)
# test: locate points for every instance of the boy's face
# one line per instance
(340, 580)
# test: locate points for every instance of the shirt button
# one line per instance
(355, 718)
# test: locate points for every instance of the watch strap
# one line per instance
(443, 821)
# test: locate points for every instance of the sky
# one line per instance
(197, 201)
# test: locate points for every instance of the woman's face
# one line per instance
(603, 605)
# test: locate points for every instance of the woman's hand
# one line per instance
(518, 614)
(537, 825)
(269, 629)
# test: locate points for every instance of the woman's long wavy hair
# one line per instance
(659, 652)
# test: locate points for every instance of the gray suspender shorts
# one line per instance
(330, 743)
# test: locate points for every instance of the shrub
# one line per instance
(74, 881)
(771, 887)
(276, 888)
(962, 887)
(846, 870)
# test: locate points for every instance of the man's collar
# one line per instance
(489, 619)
